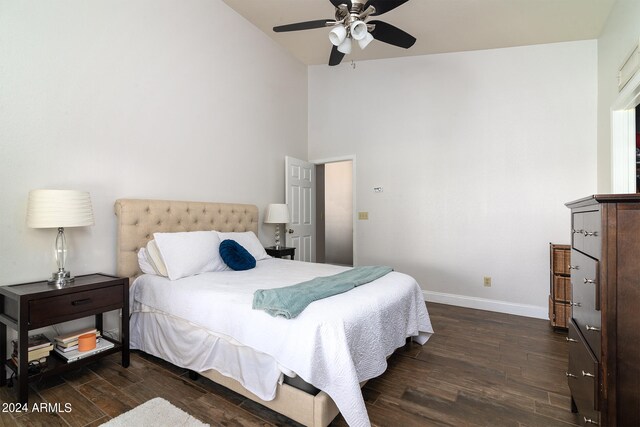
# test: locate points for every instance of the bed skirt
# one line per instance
(312, 410)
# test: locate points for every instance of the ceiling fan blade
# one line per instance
(337, 3)
(383, 6)
(336, 56)
(307, 25)
(393, 35)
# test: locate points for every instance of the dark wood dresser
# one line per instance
(604, 332)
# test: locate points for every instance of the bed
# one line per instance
(342, 350)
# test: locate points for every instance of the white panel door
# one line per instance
(301, 198)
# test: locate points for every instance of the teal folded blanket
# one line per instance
(289, 301)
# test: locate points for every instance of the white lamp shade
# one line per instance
(345, 46)
(364, 42)
(59, 208)
(277, 213)
(358, 30)
(337, 35)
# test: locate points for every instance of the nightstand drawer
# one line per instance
(46, 311)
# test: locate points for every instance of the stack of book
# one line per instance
(39, 348)
(69, 342)
(67, 345)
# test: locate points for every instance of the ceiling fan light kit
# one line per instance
(358, 30)
(350, 23)
(364, 42)
(337, 35)
(345, 46)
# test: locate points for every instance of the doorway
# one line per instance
(624, 145)
(334, 212)
(637, 148)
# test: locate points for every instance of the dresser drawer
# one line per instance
(586, 233)
(583, 377)
(45, 311)
(585, 288)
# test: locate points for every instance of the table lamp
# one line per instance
(277, 213)
(59, 209)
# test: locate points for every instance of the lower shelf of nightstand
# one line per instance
(56, 365)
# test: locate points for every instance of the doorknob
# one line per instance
(290, 231)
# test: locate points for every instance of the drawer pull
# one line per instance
(570, 375)
(589, 420)
(589, 280)
(587, 374)
(592, 328)
(571, 339)
(574, 267)
(590, 233)
(574, 231)
(81, 301)
(575, 304)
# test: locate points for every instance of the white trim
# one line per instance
(525, 310)
(351, 157)
(623, 138)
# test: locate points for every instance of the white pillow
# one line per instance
(144, 263)
(155, 259)
(189, 253)
(247, 240)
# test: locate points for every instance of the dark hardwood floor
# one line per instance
(479, 368)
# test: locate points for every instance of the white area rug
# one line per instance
(155, 412)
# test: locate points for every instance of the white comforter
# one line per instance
(334, 344)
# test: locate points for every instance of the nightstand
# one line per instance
(281, 251)
(35, 305)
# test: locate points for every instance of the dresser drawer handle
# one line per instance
(589, 280)
(81, 301)
(587, 374)
(592, 328)
(571, 339)
(592, 233)
(574, 231)
(589, 420)
(574, 267)
(570, 375)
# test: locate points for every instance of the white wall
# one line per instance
(477, 153)
(621, 32)
(161, 99)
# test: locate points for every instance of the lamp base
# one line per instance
(277, 236)
(61, 278)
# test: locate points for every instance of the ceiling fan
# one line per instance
(351, 23)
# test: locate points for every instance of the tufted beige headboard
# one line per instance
(139, 219)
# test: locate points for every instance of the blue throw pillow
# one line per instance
(235, 256)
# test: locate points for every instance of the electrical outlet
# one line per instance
(487, 281)
(363, 215)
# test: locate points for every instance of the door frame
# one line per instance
(623, 137)
(351, 157)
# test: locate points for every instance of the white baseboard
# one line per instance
(525, 310)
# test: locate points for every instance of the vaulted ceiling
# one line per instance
(439, 25)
